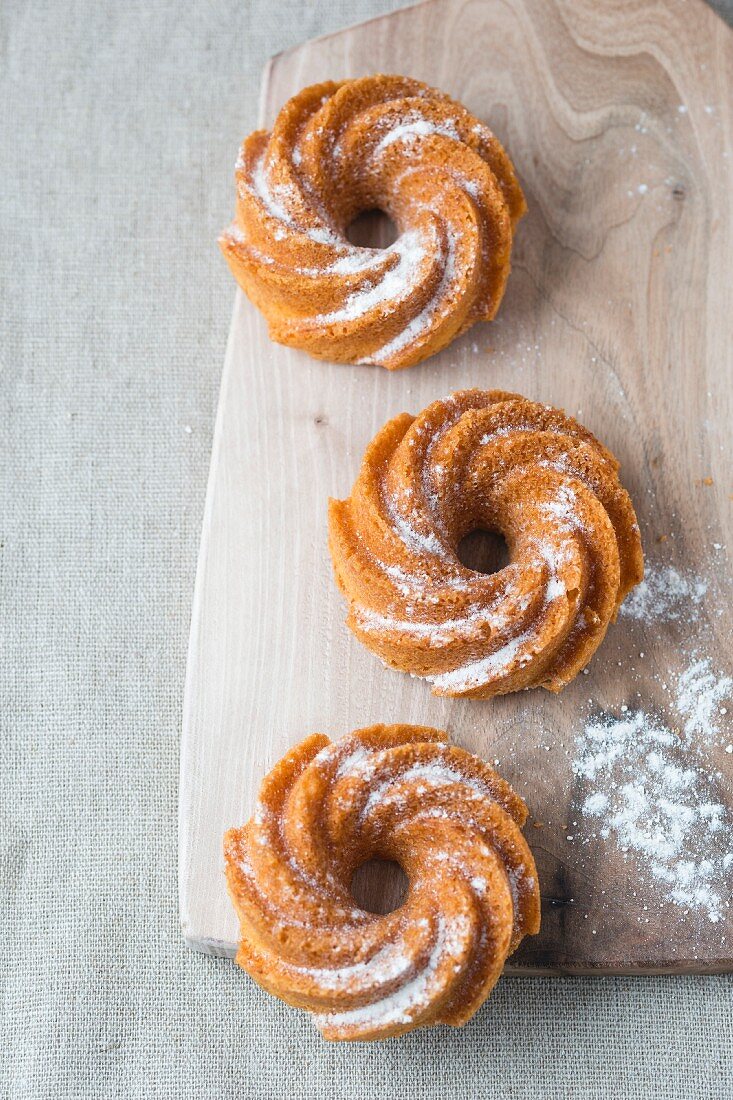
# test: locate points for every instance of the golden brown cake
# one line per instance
(498, 462)
(397, 793)
(380, 142)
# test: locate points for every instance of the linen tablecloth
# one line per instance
(119, 126)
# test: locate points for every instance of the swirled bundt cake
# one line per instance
(398, 793)
(498, 462)
(380, 142)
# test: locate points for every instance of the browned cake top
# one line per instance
(496, 461)
(383, 142)
(397, 792)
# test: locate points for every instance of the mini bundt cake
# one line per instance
(380, 142)
(498, 462)
(397, 793)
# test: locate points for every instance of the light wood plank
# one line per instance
(618, 309)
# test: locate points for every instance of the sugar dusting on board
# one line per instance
(700, 694)
(648, 777)
(654, 797)
(665, 593)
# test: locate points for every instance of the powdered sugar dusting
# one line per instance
(402, 1005)
(395, 284)
(652, 787)
(440, 302)
(663, 813)
(359, 761)
(479, 672)
(426, 776)
(415, 584)
(391, 962)
(475, 673)
(700, 693)
(275, 199)
(358, 260)
(665, 593)
(418, 542)
(414, 127)
(440, 633)
(234, 232)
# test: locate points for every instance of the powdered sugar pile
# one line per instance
(654, 792)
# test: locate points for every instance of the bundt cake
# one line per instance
(380, 142)
(398, 793)
(498, 462)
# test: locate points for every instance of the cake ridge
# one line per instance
(500, 462)
(386, 142)
(393, 792)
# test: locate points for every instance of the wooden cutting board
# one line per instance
(617, 116)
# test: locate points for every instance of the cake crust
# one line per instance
(394, 792)
(379, 142)
(499, 462)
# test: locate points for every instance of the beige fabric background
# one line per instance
(119, 125)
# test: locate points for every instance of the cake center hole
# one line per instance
(483, 551)
(372, 229)
(379, 886)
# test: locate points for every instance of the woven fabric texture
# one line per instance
(119, 124)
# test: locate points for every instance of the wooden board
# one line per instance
(617, 116)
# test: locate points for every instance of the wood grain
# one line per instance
(617, 116)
